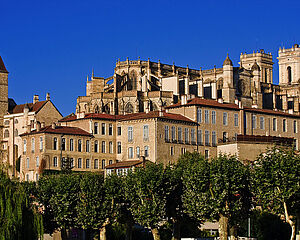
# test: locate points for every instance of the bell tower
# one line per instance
(3, 100)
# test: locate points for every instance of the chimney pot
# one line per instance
(35, 98)
(48, 96)
(53, 125)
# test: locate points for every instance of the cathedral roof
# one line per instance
(2, 66)
(227, 61)
(255, 67)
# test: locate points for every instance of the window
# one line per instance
(32, 145)
(24, 146)
(27, 162)
(214, 138)
(36, 176)
(295, 126)
(172, 151)
(71, 162)
(79, 145)
(199, 115)
(206, 154)
(87, 146)
(71, 144)
(87, 163)
(225, 137)
(146, 151)
(213, 117)
(119, 147)
(55, 162)
(180, 134)
(236, 120)
(186, 135)
(199, 137)
(103, 147)
(138, 154)
(96, 128)
(130, 134)
(103, 129)
(145, 132)
(130, 152)
(96, 164)
(183, 151)
(110, 147)
(262, 123)
(193, 137)
(110, 162)
(225, 118)
(27, 177)
(173, 133)
(6, 133)
(63, 144)
(206, 116)
(289, 73)
(253, 121)
(96, 146)
(284, 125)
(167, 137)
(103, 164)
(274, 124)
(41, 143)
(54, 143)
(37, 161)
(110, 129)
(119, 130)
(79, 163)
(206, 138)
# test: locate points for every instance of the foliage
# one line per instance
(66, 165)
(276, 179)
(144, 188)
(19, 217)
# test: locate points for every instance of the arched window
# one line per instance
(97, 109)
(132, 80)
(289, 73)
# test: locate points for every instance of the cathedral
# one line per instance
(142, 86)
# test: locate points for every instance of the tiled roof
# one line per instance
(206, 102)
(124, 164)
(60, 130)
(33, 107)
(133, 116)
(2, 66)
(155, 114)
(272, 112)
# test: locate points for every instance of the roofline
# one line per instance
(265, 111)
(53, 106)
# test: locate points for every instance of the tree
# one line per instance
(92, 207)
(119, 206)
(217, 190)
(19, 217)
(277, 178)
(144, 188)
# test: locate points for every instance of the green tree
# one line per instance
(19, 215)
(144, 188)
(277, 184)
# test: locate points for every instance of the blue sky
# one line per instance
(51, 46)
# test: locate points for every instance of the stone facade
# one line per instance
(25, 118)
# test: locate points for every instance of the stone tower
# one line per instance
(289, 65)
(264, 61)
(3, 100)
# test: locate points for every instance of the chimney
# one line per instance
(42, 124)
(161, 113)
(183, 99)
(48, 96)
(53, 125)
(220, 100)
(35, 99)
(236, 102)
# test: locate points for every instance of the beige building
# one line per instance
(21, 119)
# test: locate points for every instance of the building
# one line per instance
(24, 118)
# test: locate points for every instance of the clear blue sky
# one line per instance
(51, 46)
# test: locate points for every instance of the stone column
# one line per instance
(200, 88)
(214, 90)
(296, 104)
(186, 86)
(284, 103)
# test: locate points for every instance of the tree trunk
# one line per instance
(155, 233)
(176, 230)
(128, 230)
(103, 233)
(233, 233)
(290, 222)
(223, 227)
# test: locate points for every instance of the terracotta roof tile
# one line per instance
(2, 66)
(272, 112)
(206, 102)
(32, 107)
(60, 130)
(124, 164)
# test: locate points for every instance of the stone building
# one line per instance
(24, 118)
